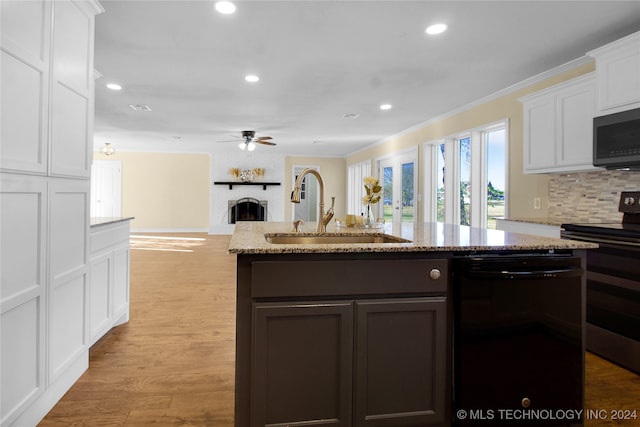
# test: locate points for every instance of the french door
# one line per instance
(398, 177)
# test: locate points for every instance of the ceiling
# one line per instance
(319, 61)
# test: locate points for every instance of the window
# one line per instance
(355, 186)
(439, 187)
(464, 181)
(468, 185)
(496, 174)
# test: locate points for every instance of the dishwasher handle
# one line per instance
(524, 274)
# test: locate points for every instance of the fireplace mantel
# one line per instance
(232, 183)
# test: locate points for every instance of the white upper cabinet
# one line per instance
(618, 75)
(72, 90)
(25, 27)
(558, 127)
(47, 84)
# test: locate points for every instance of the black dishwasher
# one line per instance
(518, 339)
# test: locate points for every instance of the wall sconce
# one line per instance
(108, 149)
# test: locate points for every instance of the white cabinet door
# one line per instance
(72, 90)
(69, 246)
(24, 61)
(576, 109)
(558, 127)
(121, 284)
(23, 293)
(100, 306)
(540, 133)
(618, 75)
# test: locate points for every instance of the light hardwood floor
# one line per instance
(173, 363)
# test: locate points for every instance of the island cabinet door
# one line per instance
(401, 367)
(302, 364)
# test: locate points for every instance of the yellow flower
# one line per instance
(373, 189)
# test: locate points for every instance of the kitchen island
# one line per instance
(362, 333)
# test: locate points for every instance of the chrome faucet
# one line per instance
(295, 198)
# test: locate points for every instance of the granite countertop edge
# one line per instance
(248, 238)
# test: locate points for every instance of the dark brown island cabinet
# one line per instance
(358, 339)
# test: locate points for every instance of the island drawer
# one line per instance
(306, 278)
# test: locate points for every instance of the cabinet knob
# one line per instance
(526, 402)
(434, 274)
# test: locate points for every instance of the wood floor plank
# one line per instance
(173, 363)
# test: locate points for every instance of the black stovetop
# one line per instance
(629, 205)
(606, 229)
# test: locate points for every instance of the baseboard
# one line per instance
(169, 230)
(47, 400)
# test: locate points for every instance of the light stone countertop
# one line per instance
(249, 238)
(97, 221)
(542, 221)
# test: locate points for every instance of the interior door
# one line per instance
(106, 188)
(398, 178)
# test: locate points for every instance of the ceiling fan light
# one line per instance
(242, 145)
(251, 146)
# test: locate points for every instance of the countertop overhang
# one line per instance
(249, 238)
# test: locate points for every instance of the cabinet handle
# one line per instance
(434, 274)
(526, 402)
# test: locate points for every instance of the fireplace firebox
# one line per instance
(247, 209)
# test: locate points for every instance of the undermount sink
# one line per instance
(329, 238)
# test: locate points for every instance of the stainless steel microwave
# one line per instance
(616, 140)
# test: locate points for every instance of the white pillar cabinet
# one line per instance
(46, 110)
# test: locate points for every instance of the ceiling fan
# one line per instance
(249, 140)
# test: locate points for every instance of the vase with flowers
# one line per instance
(373, 189)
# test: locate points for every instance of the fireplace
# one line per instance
(247, 209)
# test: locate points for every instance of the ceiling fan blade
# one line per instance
(264, 137)
(258, 141)
(229, 140)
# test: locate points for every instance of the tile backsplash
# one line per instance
(589, 196)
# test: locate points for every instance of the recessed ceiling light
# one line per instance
(436, 29)
(114, 86)
(351, 116)
(252, 78)
(137, 107)
(385, 107)
(225, 7)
